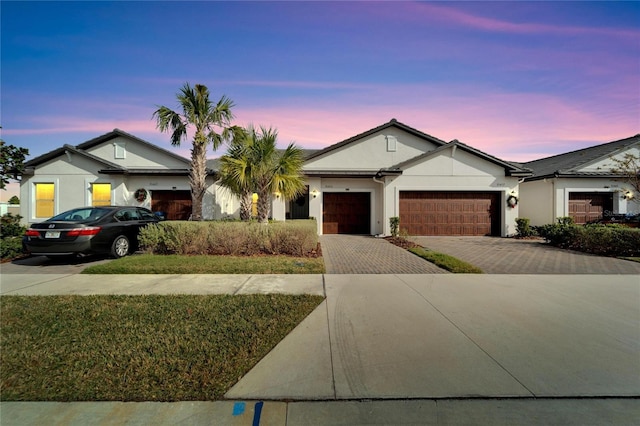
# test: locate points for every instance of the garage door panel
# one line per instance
(175, 204)
(346, 213)
(586, 207)
(449, 213)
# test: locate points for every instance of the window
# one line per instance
(45, 199)
(120, 151)
(100, 194)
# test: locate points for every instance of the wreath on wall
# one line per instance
(140, 195)
(512, 201)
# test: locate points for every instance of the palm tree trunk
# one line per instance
(264, 206)
(198, 178)
(245, 207)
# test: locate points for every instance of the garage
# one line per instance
(587, 207)
(450, 213)
(346, 213)
(176, 205)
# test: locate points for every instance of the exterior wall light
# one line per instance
(314, 193)
(628, 195)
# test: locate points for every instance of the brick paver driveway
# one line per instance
(511, 256)
(359, 254)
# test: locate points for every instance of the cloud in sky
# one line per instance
(517, 80)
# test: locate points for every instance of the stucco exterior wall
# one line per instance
(546, 200)
(371, 153)
(137, 155)
(536, 201)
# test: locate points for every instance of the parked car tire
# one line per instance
(120, 247)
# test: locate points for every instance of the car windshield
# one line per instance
(75, 215)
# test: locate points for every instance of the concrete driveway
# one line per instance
(44, 265)
(512, 256)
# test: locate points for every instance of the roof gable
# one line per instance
(370, 151)
(393, 123)
(96, 150)
(509, 168)
(578, 163)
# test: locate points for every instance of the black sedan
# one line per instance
(89, 230)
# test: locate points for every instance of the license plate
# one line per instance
(52, 234)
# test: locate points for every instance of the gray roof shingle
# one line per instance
(570, 163)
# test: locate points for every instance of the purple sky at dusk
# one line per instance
(518, 80)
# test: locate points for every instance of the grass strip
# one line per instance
(178, 264)
(445, 261)
(138, 348)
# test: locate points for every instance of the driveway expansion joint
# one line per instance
(450, 321)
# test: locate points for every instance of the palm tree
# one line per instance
(235, 170)
(254, 164)
(199, 113)
(275, 171)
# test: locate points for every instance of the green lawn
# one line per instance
(176, 264)
(445, 261)
(138, 348)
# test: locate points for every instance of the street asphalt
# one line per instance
(435, 349)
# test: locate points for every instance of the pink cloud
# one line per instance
(507, 125)
(429, 11)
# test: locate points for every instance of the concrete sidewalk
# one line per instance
(402, 349)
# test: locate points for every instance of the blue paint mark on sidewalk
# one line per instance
(257, 413)
(238, 408)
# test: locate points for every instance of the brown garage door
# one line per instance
(586, 206)
(449, 213)
(346, 213)
(175, 204)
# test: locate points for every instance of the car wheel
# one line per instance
(120, 246)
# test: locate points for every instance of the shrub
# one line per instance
(605, 240)
(11, 232)
(394, 222)
(10, 247)
(523, 228)
(293, 238)
(10, 226)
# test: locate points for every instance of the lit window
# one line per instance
(45, 199)
(100, 194)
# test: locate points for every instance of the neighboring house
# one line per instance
(579, 184)
(116, 168)
(434, 187)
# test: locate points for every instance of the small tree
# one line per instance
(12, 162)
(14, 200)
(628, 168)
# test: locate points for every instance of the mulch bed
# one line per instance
(401, 242)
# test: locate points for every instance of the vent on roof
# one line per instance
(392, 143)
(120, 151)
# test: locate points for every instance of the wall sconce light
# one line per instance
(277, 194)
(628, 195)
(314, 193)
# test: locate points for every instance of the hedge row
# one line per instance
(293, 238)
(606, 240)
